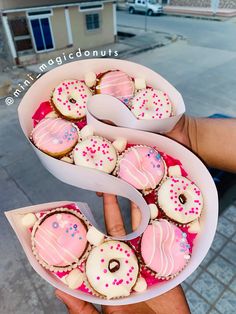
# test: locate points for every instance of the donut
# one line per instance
(150, 103)
(97, 153)
(55, 137)
(116, 83)
(164, 248)
(70, 99)
(116, 270)
(142, 167)
(180, 199)
(59, 239)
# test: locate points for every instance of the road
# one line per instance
(202, 67)
(199, 32)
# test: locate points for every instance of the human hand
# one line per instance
(171, 302)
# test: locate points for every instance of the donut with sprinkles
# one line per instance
(180, 199)
(97, 153)
(116, 270)
(70, 99)
(150, 104)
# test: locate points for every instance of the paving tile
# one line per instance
(226, 227)
(234, 238)
(228, 252)
(218, 242)
(222, 270)
(232, 285)
(213, 311)
(230, 213)
(210, 255)
(208, 287)
(194, 275)
(196, 303)
(227, 303)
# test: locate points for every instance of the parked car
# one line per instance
(150, 7)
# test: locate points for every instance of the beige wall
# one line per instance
(13, 4)
(58, 22)
(90, 39)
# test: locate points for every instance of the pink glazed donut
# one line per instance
(59, 239)
(116, 83)
(55, 137)
(164, 248)
(142, 167)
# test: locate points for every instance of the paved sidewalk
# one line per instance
(198, 11)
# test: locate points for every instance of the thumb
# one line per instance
(74, 305)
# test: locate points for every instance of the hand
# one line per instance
(181, 131)
(172, 301)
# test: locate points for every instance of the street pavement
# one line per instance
(202, 67)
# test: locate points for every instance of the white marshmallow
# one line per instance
(174, 171)
(90, 79)
(141, 285)
(67, 159)
(74, 279)
(29, 220)
(94, 236)
(194, 227)
(86, 132)
(52, 114)
(153, 211)
(120, 144)
(139, 83)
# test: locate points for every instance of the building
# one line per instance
(221, 4)
(36, 30)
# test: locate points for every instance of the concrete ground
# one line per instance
(202, 67)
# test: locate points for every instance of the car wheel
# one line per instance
(131, 10)
(149, 12)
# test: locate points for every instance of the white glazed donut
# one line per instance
(95, 152)
(180, 199)
(112, 269)
(150, 103)
(70, 99)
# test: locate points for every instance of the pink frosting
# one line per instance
(142, 167)
(61, 239)
(117, 84)
(54, 135)
(164, 248)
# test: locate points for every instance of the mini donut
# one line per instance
(164, 248)
(70, 99)
(95, 152)
(150, 103)
(180, 199)
(59, 239)
(55, 137)
(142, 167)
(116, 83)
(112, 269)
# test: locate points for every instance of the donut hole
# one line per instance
(113, 265)
(182, 199)
(72, 100)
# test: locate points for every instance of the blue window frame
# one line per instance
(42, 34)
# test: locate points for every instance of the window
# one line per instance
(41, 30)
(20, 34)
(92, 21)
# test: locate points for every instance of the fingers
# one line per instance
(112, 215)
(74, 305)
(138, 308)
(135, 216)
(99, 194)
